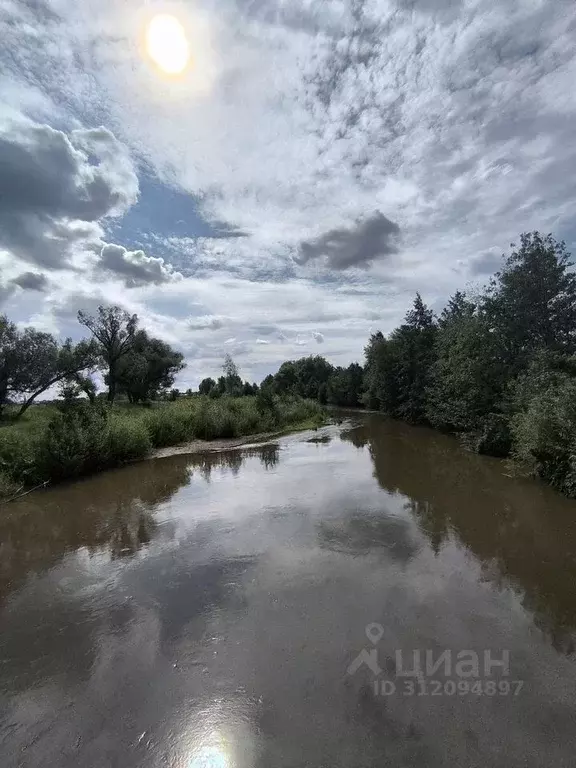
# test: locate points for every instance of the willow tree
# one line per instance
(113, 329)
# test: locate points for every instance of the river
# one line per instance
(265, 607)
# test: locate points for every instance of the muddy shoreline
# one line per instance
(226, 444)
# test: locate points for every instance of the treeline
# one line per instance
(230, 383)
(315, 378)
(497, 367)
(133, 364)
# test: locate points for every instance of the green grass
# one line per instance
(48, 445)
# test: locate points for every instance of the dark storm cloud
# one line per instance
(371, 239)
(31, 281)
(55, 188)
(134, 268)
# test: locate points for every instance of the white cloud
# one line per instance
(55, 189)
(134, 268)
(299, 124)
(207, 322)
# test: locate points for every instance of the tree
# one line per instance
(9, 363)
(382, 375)
(230, 368)
(76, 384)
(206, 386)
(265, 398)
(307, 377)
(32, 361)
(87, 385)
(148, 368)
(287, 377)
(345, 386)
(398, 368)
(531, 302)
(415, 350)
(468, 377)
(232, 381)
(114, 330)
(543, 424)
(459, 306)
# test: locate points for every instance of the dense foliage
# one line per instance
(32, 361)
(315, 378)
(499, 368)
(147, 369)
(54, 443)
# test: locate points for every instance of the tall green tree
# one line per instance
(232, 382)
(114, 330)
(148, 369)
(398, 368)
(468, 376)
(286, 379)
(345, 386)
(32, 361)
(415, 348)
(206, 386)
(531, 302)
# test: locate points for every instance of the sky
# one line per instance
(313, 166)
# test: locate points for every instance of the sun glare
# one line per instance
(167, 44)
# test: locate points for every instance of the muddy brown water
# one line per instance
(265, 607)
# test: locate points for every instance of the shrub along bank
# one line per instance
(58, 443)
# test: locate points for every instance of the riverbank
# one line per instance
(229, 444)
(52, 445)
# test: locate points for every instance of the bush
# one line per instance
(128, 439)
(169, 425)
(8, 487)
(18, 455)
(81, 438)
(495, 438)
(75, 442)
(544, 436)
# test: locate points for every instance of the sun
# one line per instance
(167, 44)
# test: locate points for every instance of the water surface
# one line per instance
(208, 611)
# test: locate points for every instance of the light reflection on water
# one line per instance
(213, 755)
(221, 735)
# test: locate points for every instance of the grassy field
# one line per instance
(51, 445)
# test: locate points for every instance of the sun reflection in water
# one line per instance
(215, 754)
(222, 735)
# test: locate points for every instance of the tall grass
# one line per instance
(54, 445)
